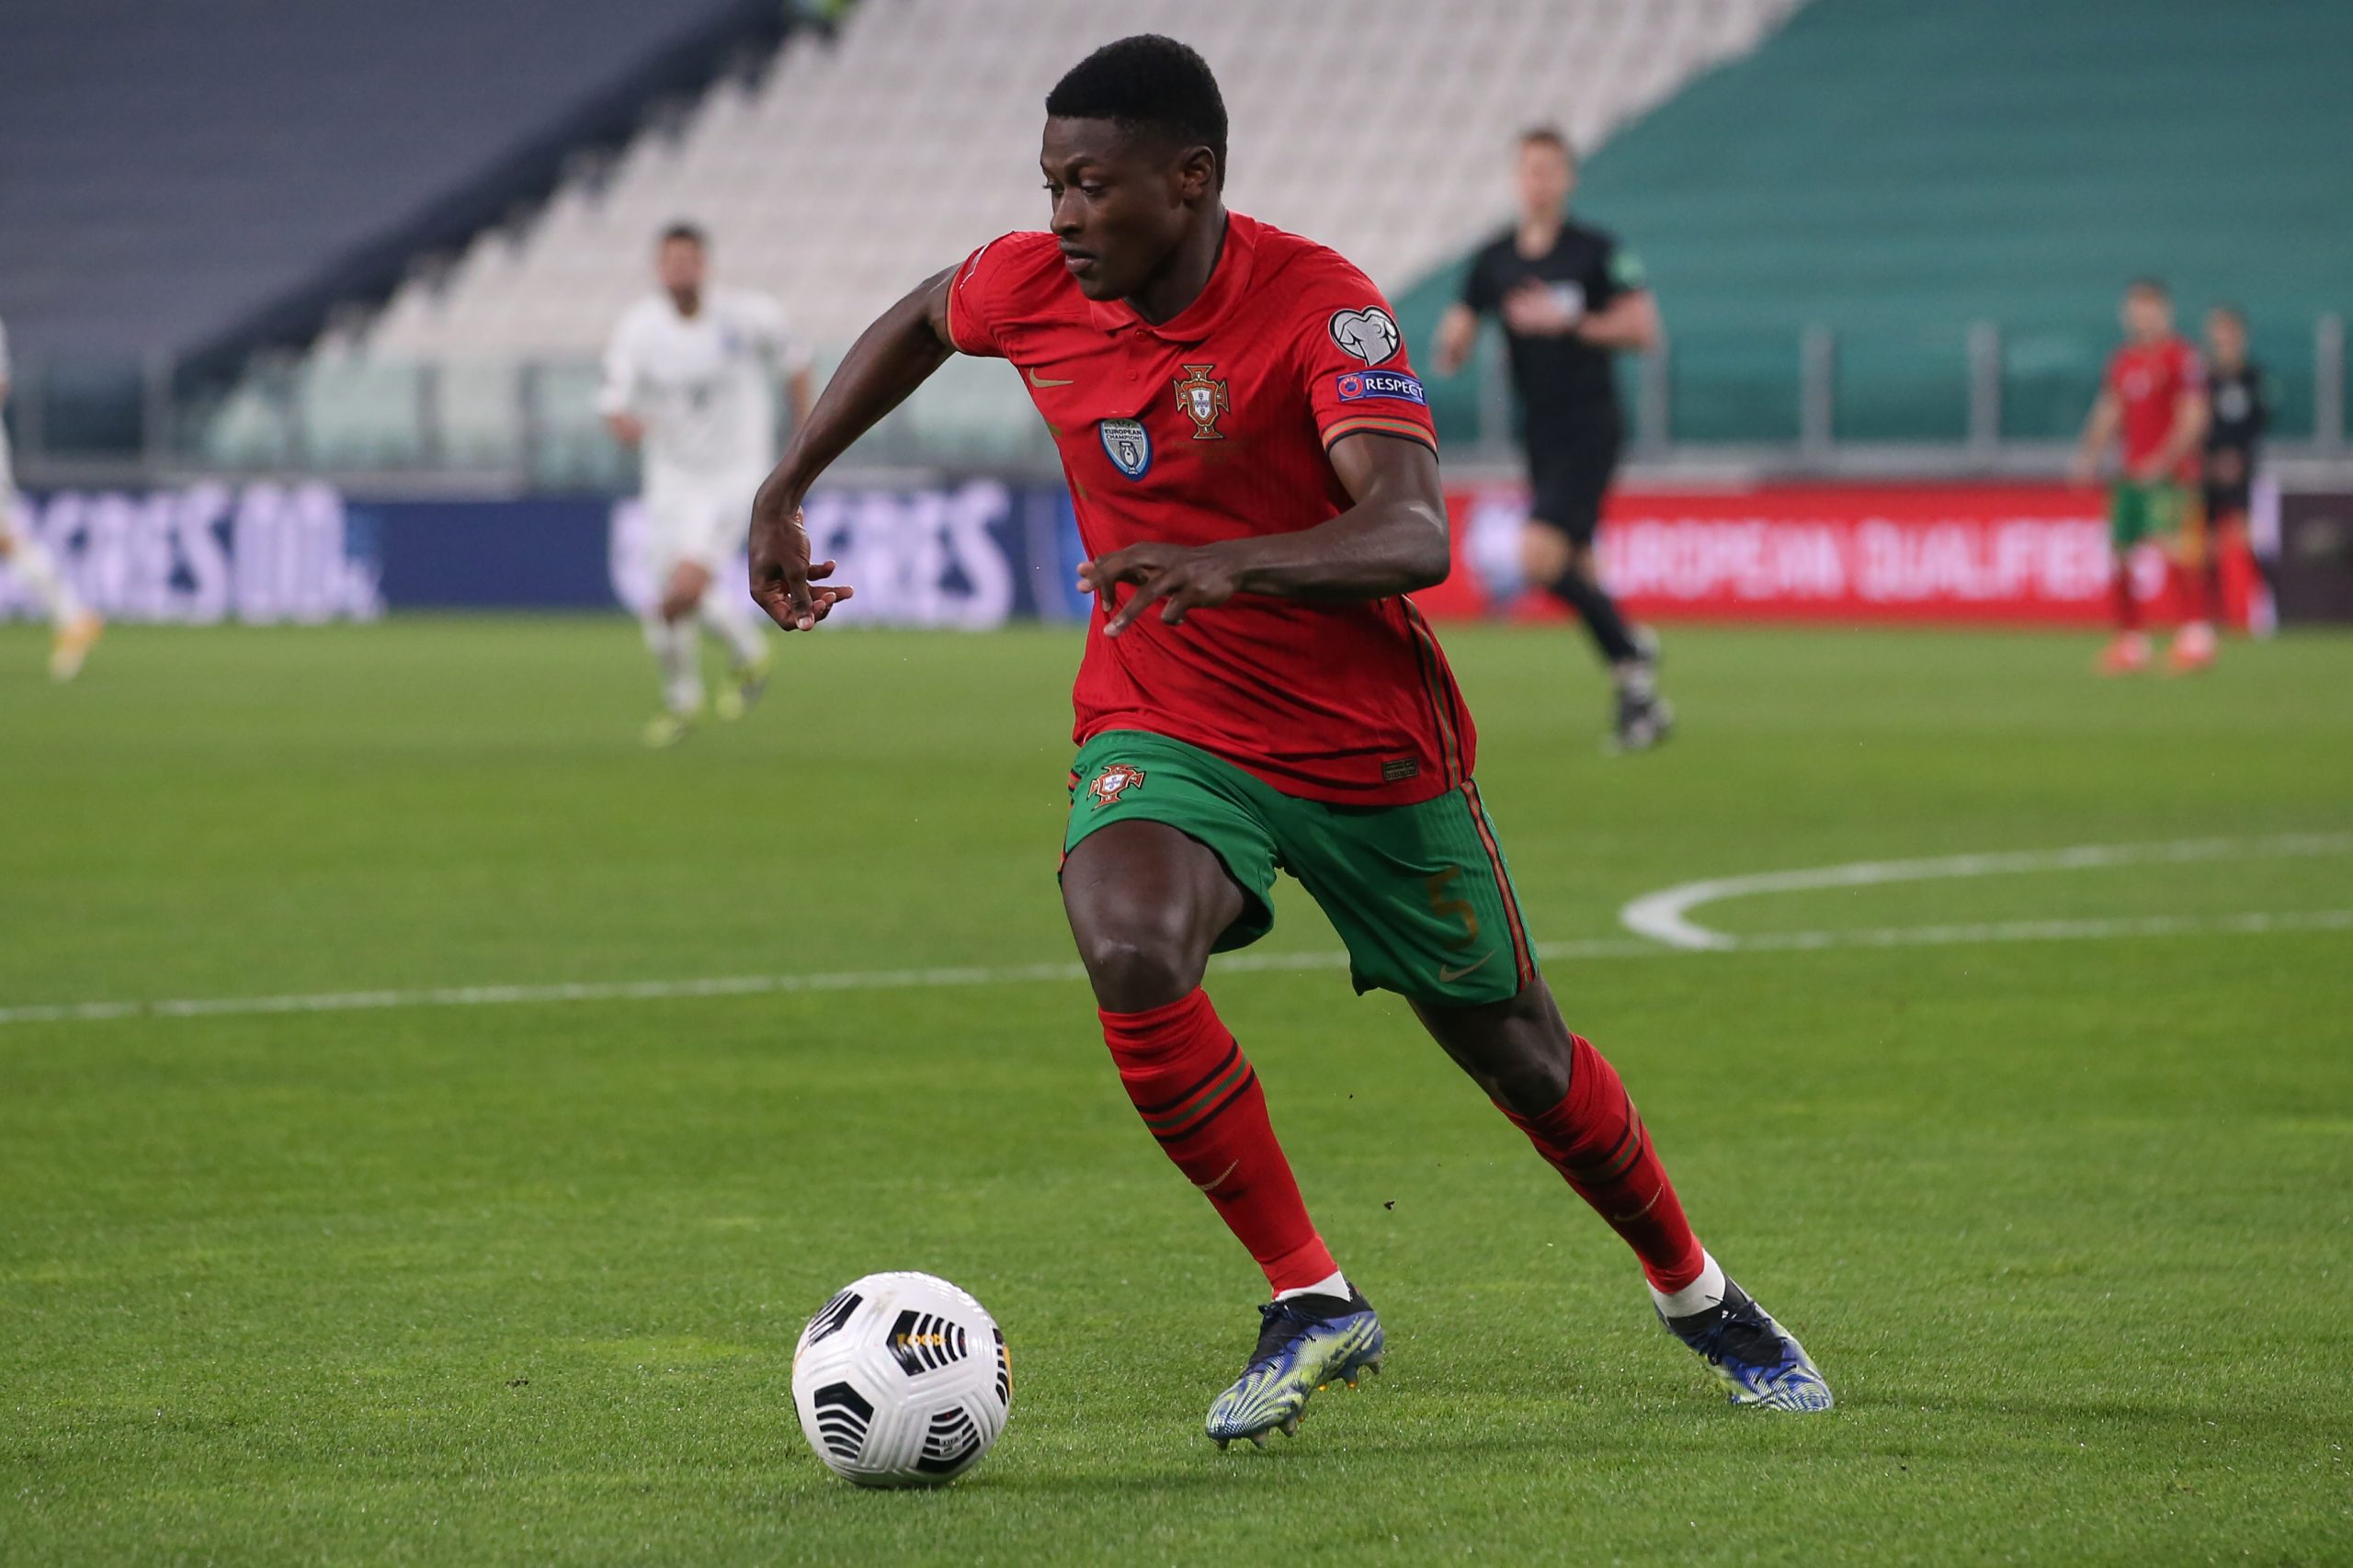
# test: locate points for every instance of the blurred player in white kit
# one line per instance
(74, 626)
(687, 379)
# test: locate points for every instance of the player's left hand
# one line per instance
(784, 580)
(1180, 578)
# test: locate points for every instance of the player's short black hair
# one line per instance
(690, 232)
(1549, 135)
(2148, 284)
(1148, 82)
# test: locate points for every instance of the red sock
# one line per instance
(1199, 1096)
(1596, 1140)
(2128, 608)
(2190, 590)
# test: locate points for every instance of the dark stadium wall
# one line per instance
(202, 181)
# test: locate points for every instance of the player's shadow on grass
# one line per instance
(1206, 1467)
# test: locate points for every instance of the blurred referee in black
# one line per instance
(2237, 391)
(1570, 297)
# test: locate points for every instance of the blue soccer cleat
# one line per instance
(1760, 1361)
(1303, 1344)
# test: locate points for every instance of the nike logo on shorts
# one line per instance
(1038, 380)
(1449, 976)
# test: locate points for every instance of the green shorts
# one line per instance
(2137, 511)
(1420, 894)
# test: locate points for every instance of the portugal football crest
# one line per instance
(1113, 782)
(1202, 400)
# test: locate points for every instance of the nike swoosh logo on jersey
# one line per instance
(1449, 976)
(1038, 380)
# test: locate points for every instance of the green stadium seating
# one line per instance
(1896, 171)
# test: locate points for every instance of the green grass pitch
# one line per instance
(2068, 1222)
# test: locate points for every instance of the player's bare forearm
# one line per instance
(1629, 323)
(1458, 334)
(2190, 419)
(2098, 427)
(883, 368)
(888, 363)
(1392, 540)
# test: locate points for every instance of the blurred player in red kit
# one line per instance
(2154, 396)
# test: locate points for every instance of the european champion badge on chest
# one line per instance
(1128, 444)
(1202, 400)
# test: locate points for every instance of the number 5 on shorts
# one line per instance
(1447, 908)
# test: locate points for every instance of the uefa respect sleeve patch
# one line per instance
(1395, 386)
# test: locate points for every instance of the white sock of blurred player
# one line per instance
(33, 565)
(30, 562)
(672, 643)
(734, 627)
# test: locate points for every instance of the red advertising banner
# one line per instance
(1957, 553)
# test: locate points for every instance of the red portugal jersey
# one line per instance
(1215, 425)
(2149, 380)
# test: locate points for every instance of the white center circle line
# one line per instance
(1665, 916)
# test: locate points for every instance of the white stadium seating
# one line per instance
(857, 165)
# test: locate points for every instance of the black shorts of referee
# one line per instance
(2228, 500)
(1570, 465)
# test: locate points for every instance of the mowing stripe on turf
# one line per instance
(1018, 974)
(1665, 916)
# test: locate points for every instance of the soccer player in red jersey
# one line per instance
(1257, 484)
(2154, 393)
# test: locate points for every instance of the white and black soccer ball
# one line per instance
(902, 1380)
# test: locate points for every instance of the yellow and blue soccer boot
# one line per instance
(1305, 1344)
(1761, 1362)
(669, 727)
(746, 680)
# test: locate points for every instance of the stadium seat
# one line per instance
(1896, 173)
(833, 182)
(177, 172)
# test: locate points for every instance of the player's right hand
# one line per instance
(783, 579)
(1533, 309)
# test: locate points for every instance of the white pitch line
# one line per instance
(1664, 915)
(665, 990)
(2038, 931)
(1242, 963)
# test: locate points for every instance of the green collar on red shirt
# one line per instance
(1228, 282)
